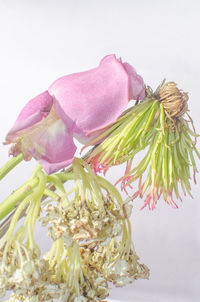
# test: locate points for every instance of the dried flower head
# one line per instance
(174, 100)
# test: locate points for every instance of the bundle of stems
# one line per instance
(157, 126)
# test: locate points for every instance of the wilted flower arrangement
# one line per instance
(87, 219)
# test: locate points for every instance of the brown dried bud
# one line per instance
(173, 99)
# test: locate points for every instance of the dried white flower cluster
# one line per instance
(92, 244)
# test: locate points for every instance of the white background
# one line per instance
(43, 40)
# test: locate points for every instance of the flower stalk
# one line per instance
(32, 200)
(11, 202)
(10, 165)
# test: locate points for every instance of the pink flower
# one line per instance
(76, 104)
(96, 98)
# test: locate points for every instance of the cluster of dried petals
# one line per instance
(120, 266)
(81, 222)
(42, 291)
(83, 282)
(5, 274)
(93, 226)
(88, 210)
(26, 275)
(31, 282)
(91, 234)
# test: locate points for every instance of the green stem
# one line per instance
(11, 202)
(5, 225)
(13, 162)
(36, 206)
(17, 214)
(51, 194)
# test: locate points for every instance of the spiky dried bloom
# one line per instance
(157, 126)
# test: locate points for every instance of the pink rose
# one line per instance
(96, 98)
(76, 104)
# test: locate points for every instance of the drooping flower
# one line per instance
(75, 104)
(158, 127)
(96, 98)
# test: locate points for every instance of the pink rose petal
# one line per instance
(33, 112)
(50, 140)
(136, 87)
(94, 99)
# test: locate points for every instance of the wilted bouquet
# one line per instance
(87, 219)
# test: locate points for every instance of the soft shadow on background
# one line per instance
(43, 40)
